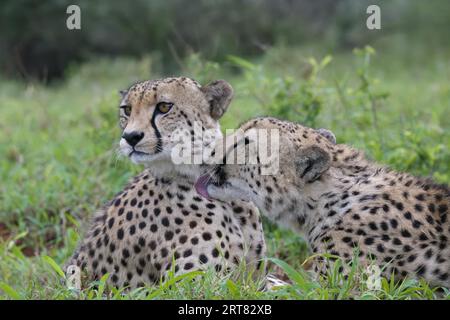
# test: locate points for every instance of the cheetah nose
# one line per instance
(133, 137)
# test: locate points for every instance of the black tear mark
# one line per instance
(158, 148)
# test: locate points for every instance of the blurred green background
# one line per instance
(315, 62)
(35, 42)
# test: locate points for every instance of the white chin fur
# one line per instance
(160, 164)
(191, 171)
(140, 158)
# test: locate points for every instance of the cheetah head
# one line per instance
(304, 156)
(155, 114)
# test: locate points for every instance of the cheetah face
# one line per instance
(154, 114)
(300, 165)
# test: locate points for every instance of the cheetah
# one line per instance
(158, 223)
(338, 200)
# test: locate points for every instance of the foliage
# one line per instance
(286, 97)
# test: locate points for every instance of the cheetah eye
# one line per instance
(164, 107)
(126, 110)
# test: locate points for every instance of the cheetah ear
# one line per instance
(327, 134)
(218, 94)
(123, 93)
(311, 162)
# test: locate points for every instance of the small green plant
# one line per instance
(366, 94)
(286, 97)
(365, 98)
(204, 71)
(352, 286)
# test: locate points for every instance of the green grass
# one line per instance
(59, 163)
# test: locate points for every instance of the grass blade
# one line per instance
(10, 291)
(54, 266)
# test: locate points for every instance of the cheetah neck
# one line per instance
(304, 207)
(318, 194)
(348, 168)
(168, 170)
(349, 189)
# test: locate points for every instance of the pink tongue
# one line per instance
(201, 185)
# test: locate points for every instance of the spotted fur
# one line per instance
(341, 201)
